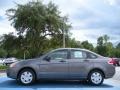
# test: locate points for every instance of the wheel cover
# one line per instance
(96, 78)
(26, 77)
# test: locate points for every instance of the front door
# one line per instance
(56, 67)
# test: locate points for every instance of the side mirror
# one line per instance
(47, 59)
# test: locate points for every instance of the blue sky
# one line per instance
(90, 18)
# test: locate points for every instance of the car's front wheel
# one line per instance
(96, 77)
(26, 76)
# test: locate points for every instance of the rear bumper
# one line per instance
(110, 72)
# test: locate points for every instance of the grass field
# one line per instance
(3, 67)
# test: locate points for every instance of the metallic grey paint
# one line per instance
(67, 69)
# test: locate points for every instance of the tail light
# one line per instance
(111, 61)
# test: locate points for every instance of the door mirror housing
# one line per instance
(47, 59)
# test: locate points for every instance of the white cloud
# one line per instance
(81, 35)
(82, 13)
(5, 27)
(92, 35)
(112, 2)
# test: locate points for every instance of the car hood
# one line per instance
(30, 61)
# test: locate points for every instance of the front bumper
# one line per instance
(12, 73)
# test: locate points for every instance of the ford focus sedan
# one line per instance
(64, 64)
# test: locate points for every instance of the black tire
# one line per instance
(92, 81)
(32, 75)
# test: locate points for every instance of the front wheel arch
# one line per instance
(27, 68)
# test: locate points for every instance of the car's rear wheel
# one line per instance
(26, 76)
(96, 77)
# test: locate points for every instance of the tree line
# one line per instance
(40, 28)
(11, 46)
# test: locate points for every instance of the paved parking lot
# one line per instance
(117, 75)
(9, 84)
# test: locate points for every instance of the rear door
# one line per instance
(78, 64)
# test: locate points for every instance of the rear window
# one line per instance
(91, 56)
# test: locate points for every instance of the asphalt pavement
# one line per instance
(10, 84)
(117, 74)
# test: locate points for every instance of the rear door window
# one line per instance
(78, 54)
(91, 56)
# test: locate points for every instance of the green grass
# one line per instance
(3, 67)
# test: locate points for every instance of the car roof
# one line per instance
(72, 49)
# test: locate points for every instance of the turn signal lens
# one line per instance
(13, 64)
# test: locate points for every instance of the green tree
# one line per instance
(87, 45)
(118, 46)
(106, 38)
(104, 47)
(117, 51)
(38, 22)
(110, 49)
(72, 43)
(3, 53)
(100, 48)
(8, 43)
(100, 41)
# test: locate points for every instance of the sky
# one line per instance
(89, 18)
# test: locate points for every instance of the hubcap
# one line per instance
(96, 78)
(26, 77)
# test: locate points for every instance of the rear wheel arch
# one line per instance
(96, 69)
(96, 77)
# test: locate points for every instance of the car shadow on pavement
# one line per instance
(51, 84)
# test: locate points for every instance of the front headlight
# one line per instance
(13, 64)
